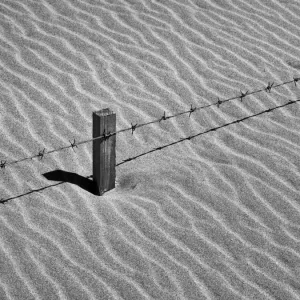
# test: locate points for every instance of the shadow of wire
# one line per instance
(63, 176)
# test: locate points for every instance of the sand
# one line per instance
(215, 217)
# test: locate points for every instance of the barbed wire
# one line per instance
(3, 201)
(42, 153)
(207, 131)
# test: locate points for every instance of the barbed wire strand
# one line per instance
(42, 153)
(207, 131)
(3, 201)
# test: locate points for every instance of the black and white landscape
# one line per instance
(214, 217)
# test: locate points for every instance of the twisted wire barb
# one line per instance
(243, 95)
(163, 117)
(268, 88)
(41, 154)
(73, 145)
(3, 201)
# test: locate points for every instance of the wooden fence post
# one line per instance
(104, 150)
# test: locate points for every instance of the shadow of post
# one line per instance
(83, 182)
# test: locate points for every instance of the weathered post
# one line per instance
(104, 150)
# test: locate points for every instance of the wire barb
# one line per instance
(268, 88)
(73, 145)
(2, 164)
(133, 127)
(186, 138)
(296, 80)
(219, 102)
(41, 154)
(163, 117)
(128, 159)
(243, 95)
(105, 136)
(192, 110)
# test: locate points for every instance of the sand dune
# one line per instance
(217, 217)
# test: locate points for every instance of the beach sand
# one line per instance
(214, 217)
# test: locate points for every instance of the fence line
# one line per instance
(3, 201)
(73, 145)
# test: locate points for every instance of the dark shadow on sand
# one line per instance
(82, 182)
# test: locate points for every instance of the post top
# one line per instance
(104, 112)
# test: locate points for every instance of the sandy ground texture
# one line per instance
(214, 217)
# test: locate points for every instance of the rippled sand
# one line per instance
(216, 217)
